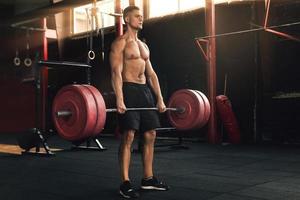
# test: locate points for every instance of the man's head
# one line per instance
(132, 17)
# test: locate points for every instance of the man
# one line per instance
(131, 73)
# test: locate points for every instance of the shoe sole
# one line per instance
(123, 195)
(126, 196)
(153, 188)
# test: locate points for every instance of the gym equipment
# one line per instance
(206, 108)
(102, 36)
(92, 19)
(100, 122)
(228, 118)
(79, 111)
(39, 135)
(27, 60)
(85, 113)
(17, 60)
(78, 100)
(197, 109)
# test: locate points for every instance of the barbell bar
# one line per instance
(66, 113)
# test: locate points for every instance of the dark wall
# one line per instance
(174, 54)
(236, 60)
(251, 82)
(280, 75)
(181, 65)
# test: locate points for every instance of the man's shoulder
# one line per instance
(121, 38)
(143, 43)
(119, 42)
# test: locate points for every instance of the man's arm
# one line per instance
(116, 63)
(154, 83)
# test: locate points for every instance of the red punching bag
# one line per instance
(228, 118)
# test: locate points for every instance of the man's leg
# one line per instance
(126, 189)
(125, 154)
(150, 182)
(148, 151)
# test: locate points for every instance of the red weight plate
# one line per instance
(206, 109)
(92, 112)
(101, 109)
(201, 116)
(81, 103)
(193, 109)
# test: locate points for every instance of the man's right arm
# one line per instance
(116, 63)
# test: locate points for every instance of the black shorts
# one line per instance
(138, 95)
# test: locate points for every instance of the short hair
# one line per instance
(128, 10)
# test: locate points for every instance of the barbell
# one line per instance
(108, 110)
(79, 111)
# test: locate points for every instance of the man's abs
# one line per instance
(134, 71)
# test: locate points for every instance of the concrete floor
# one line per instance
(204, 171)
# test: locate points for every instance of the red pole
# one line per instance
(283, 35)
(44, 79)
(267, 13)
(119, 22)
(268, 2)
(212, 136)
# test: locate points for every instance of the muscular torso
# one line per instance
(134, 61)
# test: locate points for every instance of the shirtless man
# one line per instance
(131, 70)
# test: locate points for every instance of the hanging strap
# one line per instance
(102, 37)
(27, 60)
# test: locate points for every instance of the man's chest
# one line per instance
(136, 50)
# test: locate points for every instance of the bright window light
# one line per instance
(185, 5)
(83, 13)
(160, 8)
(80, 20)
(157, 8)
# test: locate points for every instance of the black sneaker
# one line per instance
(127, 191)
(154, 184)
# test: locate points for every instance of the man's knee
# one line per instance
(127, 138)
(149, 137)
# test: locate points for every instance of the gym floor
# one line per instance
(203, 171)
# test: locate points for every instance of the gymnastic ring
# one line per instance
(27, 62)
(17, 61)
(91, 55)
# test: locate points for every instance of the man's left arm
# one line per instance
(154, 83)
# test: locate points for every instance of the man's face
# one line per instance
(135, 19)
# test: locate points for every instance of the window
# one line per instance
(80, 15)
(161, 8)
(156, 8)
(185, 5)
